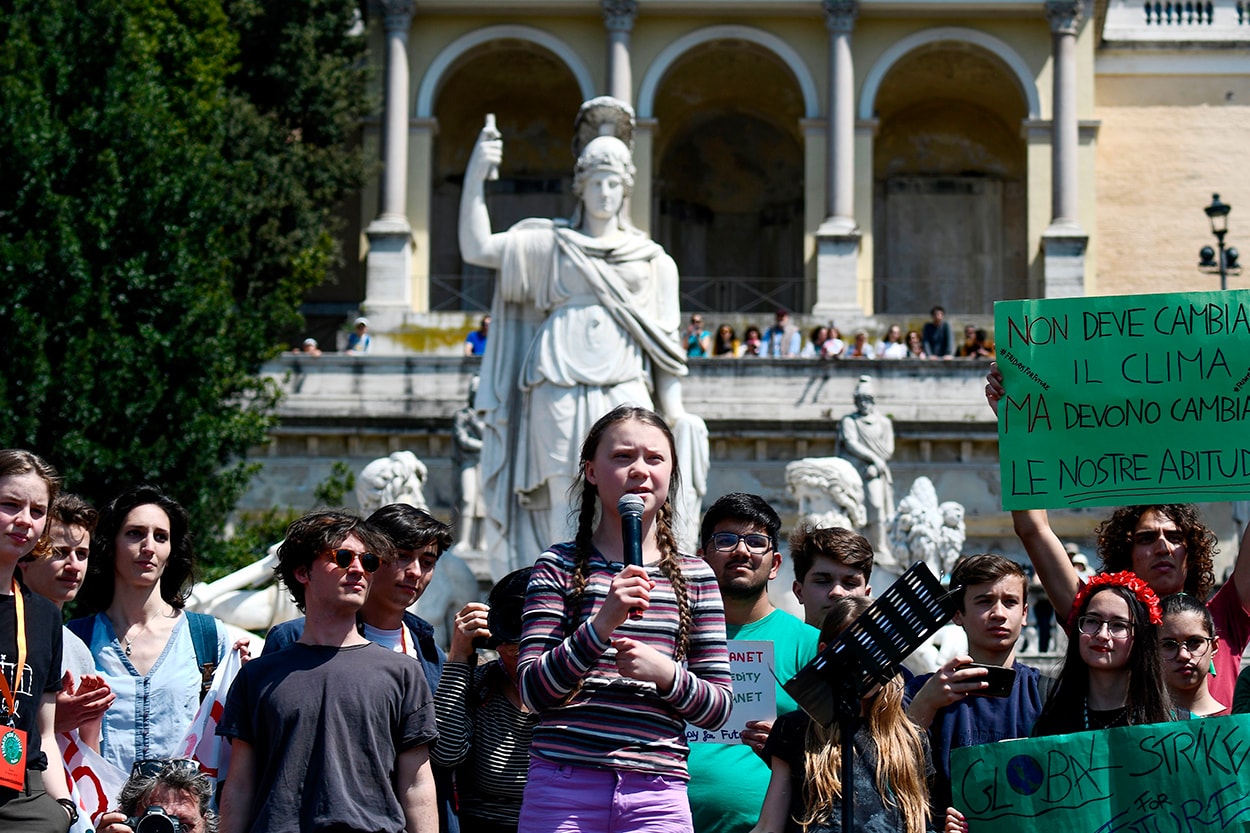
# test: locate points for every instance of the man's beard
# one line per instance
(745, 589)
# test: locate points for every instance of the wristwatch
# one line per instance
(71, 808)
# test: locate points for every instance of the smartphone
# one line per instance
(1000, 679)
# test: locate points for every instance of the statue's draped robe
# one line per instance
(576, 330)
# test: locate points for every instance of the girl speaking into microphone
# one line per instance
(614, 692)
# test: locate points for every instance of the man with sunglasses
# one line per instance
(739, 537)
(419, 540)
(312, 723)
(175, 785)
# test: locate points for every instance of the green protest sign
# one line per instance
(1124, 399)
(1185, 777)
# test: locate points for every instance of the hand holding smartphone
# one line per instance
(1000, 679)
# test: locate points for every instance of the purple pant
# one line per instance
(577, 799)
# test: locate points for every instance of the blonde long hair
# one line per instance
(900, 775)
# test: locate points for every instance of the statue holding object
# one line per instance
(586, 316)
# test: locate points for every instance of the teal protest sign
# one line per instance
(1124, 399)
(1185, 777)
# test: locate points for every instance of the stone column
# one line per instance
(388, 282)
(838, 239)
(1064, 241)
(618, 18)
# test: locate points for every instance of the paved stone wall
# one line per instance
(761, 414)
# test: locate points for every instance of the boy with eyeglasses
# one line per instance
(739, 537)
(312, 723)
(992, 611)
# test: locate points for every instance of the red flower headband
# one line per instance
(1127, 579)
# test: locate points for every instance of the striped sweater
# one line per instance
(611, 721)
(487, 740)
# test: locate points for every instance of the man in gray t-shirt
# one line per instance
(313, 723)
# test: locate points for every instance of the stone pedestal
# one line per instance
(388, 270)
(1063, 257)
(837, 273)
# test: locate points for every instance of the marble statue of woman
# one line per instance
(586, 316)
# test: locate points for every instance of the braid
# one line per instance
(583, 548)
(670, 566)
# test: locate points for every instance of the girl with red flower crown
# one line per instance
(1112, 674)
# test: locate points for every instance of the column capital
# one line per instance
(840, 15)
(397, 14)
(1064, 16)
(619, 15)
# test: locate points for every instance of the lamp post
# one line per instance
(1217, 213)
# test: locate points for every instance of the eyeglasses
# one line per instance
(343, 560)
(153, 767)
(757, 544)
(1195, 646)
(1092, 625)
(1146, 537)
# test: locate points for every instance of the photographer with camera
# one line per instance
(163, 795)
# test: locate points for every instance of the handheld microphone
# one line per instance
(630, 509)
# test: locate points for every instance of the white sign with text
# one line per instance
(755, 691)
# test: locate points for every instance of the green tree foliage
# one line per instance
(168, 173)
(256, 532)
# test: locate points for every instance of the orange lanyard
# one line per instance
(10, 698)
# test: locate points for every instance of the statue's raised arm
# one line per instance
(477, 245)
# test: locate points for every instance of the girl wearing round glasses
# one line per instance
(1112, 673)
(148, 649)
(1187, 646)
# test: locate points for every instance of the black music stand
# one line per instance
(867, 654)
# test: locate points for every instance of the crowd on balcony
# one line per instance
(785, 340)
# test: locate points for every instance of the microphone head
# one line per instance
(630, 505)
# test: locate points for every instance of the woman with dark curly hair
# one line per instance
(1167, 545)
(144, 644)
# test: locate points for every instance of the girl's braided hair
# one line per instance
(587, 514)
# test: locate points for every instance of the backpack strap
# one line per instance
(204, 638)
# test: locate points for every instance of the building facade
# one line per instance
(854, 161)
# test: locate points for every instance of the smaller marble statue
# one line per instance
(394, 479)
(466, 431)
(829, 492)
(928, 531)
(866, 438)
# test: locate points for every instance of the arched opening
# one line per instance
(535, 98)
(949, 175)
(728, 190)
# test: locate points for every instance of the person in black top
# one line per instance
(34, 797)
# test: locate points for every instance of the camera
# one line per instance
(154, 820)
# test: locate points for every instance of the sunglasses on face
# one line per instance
(343, 560)
(154, 767)
(1146, 537)
(757, 544)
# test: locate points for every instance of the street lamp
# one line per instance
(1217, 213)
